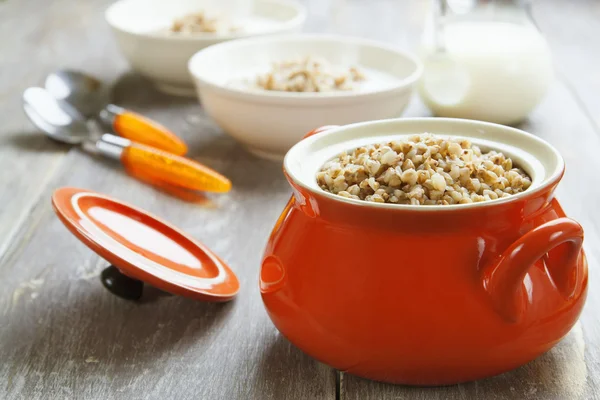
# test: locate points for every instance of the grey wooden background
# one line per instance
(62, 335)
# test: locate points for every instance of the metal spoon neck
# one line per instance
(108, 114)
(107, 145)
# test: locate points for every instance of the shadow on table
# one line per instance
(133, 90)
(34, 141)
(252, 174)
(561, 373)
(80, 329)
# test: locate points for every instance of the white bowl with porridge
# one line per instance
(158, 37)
(268, 92)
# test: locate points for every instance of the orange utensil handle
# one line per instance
(170, 169)
(503, 279)
(140, 129)
(190, 196)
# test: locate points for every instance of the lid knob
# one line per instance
(120, 284)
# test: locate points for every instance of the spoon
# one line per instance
(89, 97)
(63, 123)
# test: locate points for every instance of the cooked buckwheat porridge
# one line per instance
(309, 74)
(422, 170)
(202, 22)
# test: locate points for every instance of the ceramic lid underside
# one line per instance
(145, 247)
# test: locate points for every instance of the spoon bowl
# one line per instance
(84, 92)
(60, 122)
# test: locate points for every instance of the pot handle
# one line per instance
(319, 130)
(504, 277)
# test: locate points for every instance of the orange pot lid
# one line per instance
(144, 247)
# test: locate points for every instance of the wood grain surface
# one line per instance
(63, 336)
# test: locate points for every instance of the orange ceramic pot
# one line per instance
(424, 295)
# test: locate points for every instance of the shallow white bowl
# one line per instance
(269, 123)
(141, 30)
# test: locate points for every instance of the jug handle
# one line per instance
(504, 277)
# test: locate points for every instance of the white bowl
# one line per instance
(269, 123)
(141, 29)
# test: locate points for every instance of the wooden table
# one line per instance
(62, 335)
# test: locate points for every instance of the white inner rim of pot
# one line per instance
(541, 161)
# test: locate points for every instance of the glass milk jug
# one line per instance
(483, 59)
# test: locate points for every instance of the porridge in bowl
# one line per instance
(202, 22)
(310, 74)
(423, 170)
(313, 75)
